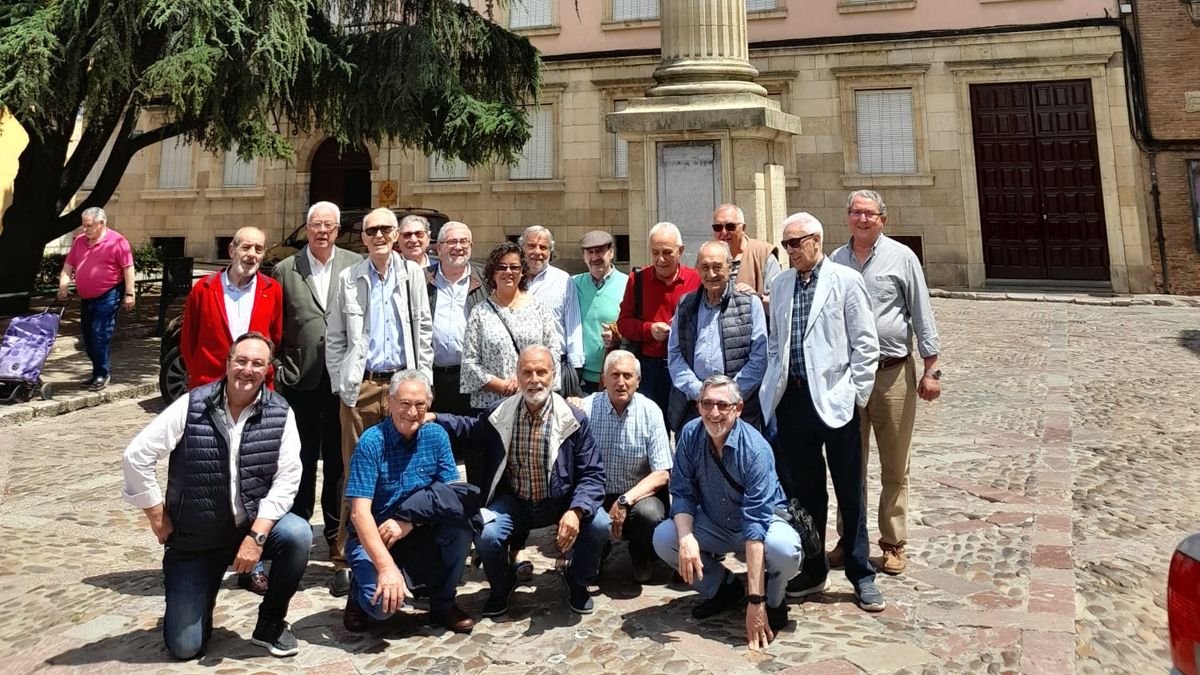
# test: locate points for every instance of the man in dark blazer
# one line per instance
(309, 280)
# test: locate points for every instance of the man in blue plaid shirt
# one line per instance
(629, 429)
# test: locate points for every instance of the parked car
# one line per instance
(1183, 607)
(172, 374)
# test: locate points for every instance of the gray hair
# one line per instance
(237, 236)
(724, 246)
(868, 194)
(805, 218)
(536, 231)
(618, 354)
(722, 381)
(95, 213)
(442, 236)
(388, 215)
(665, 228)
(409, 375)
(414, 218)
(337, 213)
(741, 215)
(540, 348)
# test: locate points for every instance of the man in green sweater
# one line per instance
(600, 290)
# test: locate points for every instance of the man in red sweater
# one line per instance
(647, 327)
(225, 305)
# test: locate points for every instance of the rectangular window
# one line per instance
(630, 10)
(620, 148)
(886, 141)
(537, 157)
(441, 168)
(1194, 188)
(239, 173)
(761, 5)
(530, 14)
(175, 169)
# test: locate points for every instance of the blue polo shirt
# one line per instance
(386, 468)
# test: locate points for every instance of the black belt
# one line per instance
(892, 361)
(379, 376)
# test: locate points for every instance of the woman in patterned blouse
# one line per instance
(497, 330)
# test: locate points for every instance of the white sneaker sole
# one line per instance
(806, 592)
(275, 651)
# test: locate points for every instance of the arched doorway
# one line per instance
(343, 178)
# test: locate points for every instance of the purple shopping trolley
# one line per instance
(27, 343)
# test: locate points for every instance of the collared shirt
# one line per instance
(239, 303)
(321, 274)
(598, 305)
(697, 484)
(709, 356)
(599, 283)
(450, 318)
(160, 438)
(385, 347)
(659, 300)
(554, 288)
(801, 305)
(899, 296)
(633, 443)
(386, 467)
(529, 454)
(100, 266)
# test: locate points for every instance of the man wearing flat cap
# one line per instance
(599, 290)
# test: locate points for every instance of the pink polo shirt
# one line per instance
(101, 266)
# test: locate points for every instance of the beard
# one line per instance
(721, 428)
(536, 397)
(244, 269)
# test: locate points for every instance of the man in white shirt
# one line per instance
(554, 288)
(233, 472)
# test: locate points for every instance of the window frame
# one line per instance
(231, 154)
(175, 142)
(545, 29)
(851, 80)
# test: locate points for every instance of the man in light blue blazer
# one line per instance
(821, 356)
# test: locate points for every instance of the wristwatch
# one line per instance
(756, 599)
(623, 502)
(937, 374)
(258, 537)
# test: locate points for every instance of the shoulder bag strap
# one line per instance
(504, 323)
(724, 472)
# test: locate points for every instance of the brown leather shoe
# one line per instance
(355, 618)
(455, 619)
(837, 557)
(894, 561)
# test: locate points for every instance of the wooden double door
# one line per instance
(1040, 197)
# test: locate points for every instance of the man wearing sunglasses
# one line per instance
(821, 358)
(414, 240)
(755, 262)
(380, 324)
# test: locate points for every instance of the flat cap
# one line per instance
(596, 238)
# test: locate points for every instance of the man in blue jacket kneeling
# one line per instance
(542, 467)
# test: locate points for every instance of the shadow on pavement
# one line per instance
(1190, 340)
(153, 405)
(132, 582)
(143, 646)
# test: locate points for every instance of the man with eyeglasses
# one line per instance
(900, 300)
(233, 472)
(414, 240)
(307, 278)
(724, 494)
(821, 357)
(755, 262)
(380, 324)
(398, 549)
(599, 290)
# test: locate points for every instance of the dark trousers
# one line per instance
(448, 399)
(589, 387)
(640, 522)
(431, 558)
(656, 381)
(320, 428)
(97, 319)
(801, 466)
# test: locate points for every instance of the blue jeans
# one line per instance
(424, 574)
(97, 319)
(192, 579)
(782, 553)
(514, 518)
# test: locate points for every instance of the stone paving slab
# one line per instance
(1045, 505)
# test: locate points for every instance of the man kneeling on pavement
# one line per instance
(724, 495)
(410, 528)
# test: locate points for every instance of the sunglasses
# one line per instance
(795, 242)
(721, 406)
(728, 227)
(377, 230)
(508, 268)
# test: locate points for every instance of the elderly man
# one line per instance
(395, 555)
(649, 307)
(629, 429)
(307, 278)
(900, 300)
(729, 509)
(599, 290)
(227, 304)
(553, 287)
(233, 471)
(101, 263)
(716, 331)
(821, 359)
(414, 239)
(755, 262)
(379, 325)
(542, 468)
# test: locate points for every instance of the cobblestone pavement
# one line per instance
(1050, 484)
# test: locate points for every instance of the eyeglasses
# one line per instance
(728, 227)
(865, 215)
(455, 242)
(413, 233)
(410, 405)
(721, 406)
(501, 267)
(376, 230)
(323, 225)
(795, 242)
(250, 364)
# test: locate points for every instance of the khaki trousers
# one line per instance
(369, 410)
(891, 413)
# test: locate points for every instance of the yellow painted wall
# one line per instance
(12, 141)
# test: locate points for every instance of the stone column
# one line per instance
(704, 49)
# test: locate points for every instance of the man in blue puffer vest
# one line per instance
(234, 470)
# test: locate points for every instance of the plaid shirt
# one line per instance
(632, 444)
(386, 468)
(529, 456)
(802, 300)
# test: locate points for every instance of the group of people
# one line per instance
(560, 396)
